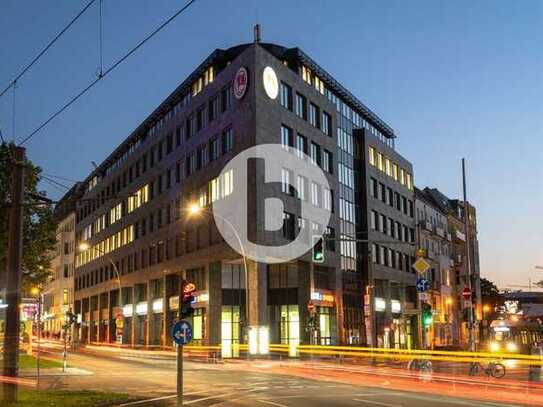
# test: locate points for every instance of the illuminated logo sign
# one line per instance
(319, 296)
(395, 306)
(241, 80)
(380, 304)
(271, 84)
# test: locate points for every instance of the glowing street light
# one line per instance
(194, 209)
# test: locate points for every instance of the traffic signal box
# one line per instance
(187, 300)
(318, 249)
(427, 316)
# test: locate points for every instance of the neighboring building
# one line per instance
(433, 236)
(455, 218)
(386, 203)
(140, 238)
(58, 294)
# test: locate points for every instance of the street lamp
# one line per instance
(194, 210)
(85, 246)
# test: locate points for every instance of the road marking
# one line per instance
(171, 396)
(378, 403)
(215, 397)
(273, 403)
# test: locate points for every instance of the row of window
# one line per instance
(113, 242)
(294, 225)
(385, 194)
(392, 258)
(390, 168)
(321, 197)
(194, 122)
(318, 155)
(309, 112)
(391, 228)
(343, 108)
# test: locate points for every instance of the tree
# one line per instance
(488, 288)
(39, 226)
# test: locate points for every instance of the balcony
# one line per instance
(459, 236)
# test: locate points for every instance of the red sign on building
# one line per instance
(241, 81)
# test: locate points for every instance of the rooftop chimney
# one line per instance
(257, 33)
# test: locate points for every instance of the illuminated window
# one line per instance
(140, 197)
(395, 171)
(115, 213)
(372, 158)
(402, 176)
(409, 180)
(388, 167)
(306, 74)
(380, 162)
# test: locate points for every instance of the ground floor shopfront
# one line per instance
(282, 308)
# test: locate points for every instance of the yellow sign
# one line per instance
(421, 265)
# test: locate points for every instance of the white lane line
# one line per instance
(215, 397)
(135, 403)
(272, 403)
(378, 403)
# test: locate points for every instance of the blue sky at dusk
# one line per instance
(454, 79)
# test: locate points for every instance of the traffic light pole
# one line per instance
(180, 347)
(14, 261)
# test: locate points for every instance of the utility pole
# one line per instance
(467, 258)
(14, 261)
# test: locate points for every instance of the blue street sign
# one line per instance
(182, 333)
(422, 285)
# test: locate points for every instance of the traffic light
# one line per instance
(427, 316)
(69, 319)
(188, 298)
(318, 249)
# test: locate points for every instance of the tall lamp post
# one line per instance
(85, 246)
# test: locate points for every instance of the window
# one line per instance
(327, 199)
(327, 161)
(301, 106)
(286, 96)
(226, 98)
(409, 181)
(388, 167)
(390, 197)
(373, 220)
(202, 156)
(115, 214)
(315, 194)
(380, 162)
(372, 156)
(213, 108)
(382, 192)
(286, 177)
(227, 140)
(301, 187)
(286, 137)
(395, 171)
(314, 115)
(315, 154)
(402, 176)
(214, 148)
(301, 145)
(200, 118)
(326, 124)
(191, 163)
(373, 188)
(289, 231)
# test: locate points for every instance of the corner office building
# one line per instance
(132, 219)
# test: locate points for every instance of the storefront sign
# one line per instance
(395, 306)
(320, 296)
(200, 297)
(271, 84)
(380, 304)
(141, 308)
(241, 81)
(127, 310)
(158, 305)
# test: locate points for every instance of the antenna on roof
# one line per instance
(257, 33)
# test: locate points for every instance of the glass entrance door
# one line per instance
(290, 327)
(230, 331)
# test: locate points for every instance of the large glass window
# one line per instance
(290, 327)
(230, 331)
(285, 95)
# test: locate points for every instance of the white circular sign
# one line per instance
(240, 82)
(271, 84)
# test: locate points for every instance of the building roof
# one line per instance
(220, 56)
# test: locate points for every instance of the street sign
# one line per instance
(466, 293)
(422, 285)
(424, 297)
(182, 333)
(421, 265)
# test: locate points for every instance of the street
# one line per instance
(282, 384)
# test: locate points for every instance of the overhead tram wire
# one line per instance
(60, 177)
(49, 45)
(106, 72)
(45, 178)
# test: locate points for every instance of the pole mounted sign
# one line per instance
(466, 293)
(423, 285)
(182, 333)
(421, 265)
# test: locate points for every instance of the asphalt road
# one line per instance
(219, 385)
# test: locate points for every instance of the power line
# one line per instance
(49, 45)
(60, 177)
(45, 178)
(106, 72)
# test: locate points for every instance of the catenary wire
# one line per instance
(106, 72)
(49, 45)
